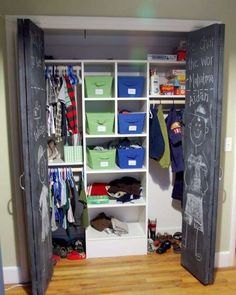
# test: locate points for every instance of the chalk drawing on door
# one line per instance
(37, 111)
(195, 177)
(43, 208)
(42, 165)
(199, 126)
(39, 125)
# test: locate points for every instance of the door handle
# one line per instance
(20, 181)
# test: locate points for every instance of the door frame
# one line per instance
(89, 23)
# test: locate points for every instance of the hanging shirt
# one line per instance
(51, 125)
(58, 129)
(156, 141)
(177, 192)
(51, 92)
(71, 109)
(165, 159)
(174, 128)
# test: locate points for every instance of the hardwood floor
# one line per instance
(150, 274)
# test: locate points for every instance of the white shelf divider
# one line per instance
(115, 170)
(119, 135)
(64, 164)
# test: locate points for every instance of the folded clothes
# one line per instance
(128, 144)
(101, 222)
(119, 227)
(127, 198)
(110, 225)
(97, 189)
(125, 184)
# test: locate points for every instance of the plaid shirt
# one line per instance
(58, 132)
(71, 109)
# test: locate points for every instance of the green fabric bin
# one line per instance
(73, 154)
(100, 123)
(101, 159)
(98, 86)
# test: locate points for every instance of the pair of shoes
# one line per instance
(164, 237)
(75, 255)
(177, 236)
(176, 247)
(61, 251)
(164, 246)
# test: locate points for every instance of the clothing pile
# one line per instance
(128, 144)
(109, 224)
(125, 189)
(165, 145)
(121, 144)
(67, 203)
(61, 104)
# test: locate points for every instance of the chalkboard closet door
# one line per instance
(204, 72)
(34, 144)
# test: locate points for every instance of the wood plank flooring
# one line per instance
(149, 274)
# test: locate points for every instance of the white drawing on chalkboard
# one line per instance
(37, 111)
(197, 181)
(42, 165)
(40, 130)
(198, 126)
(196, 185)
(44, 212)
(40, 127)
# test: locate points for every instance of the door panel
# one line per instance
(203, 108)
(34, 145)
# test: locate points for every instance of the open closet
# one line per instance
(117, 55)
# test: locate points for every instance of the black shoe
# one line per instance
(163, 247)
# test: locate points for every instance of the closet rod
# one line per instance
(160, 101)
(62, 61)
(73, 169)
(77, 169)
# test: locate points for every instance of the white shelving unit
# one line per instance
(101, 244)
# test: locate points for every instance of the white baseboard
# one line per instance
(223, 259)
(12, 275)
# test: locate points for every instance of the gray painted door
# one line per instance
(204, 72)
(34, 143)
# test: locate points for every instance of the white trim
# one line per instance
(21, 240)
(12, 275)
(232, 242)
(114, 23)
(223, 259)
